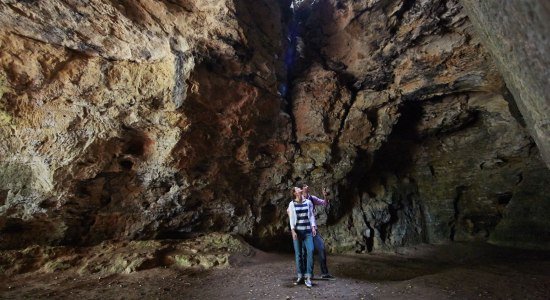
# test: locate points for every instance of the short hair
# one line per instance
(300, 185)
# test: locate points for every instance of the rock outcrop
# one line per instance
(141, 120)
(410, 121)
(516, 33)
(109, 257)
(136, 120)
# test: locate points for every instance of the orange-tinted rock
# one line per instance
(162, 119)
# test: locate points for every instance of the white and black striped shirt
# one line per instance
(302, 219)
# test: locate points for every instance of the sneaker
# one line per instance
(299, 280)
(327, 276)
(308, 282)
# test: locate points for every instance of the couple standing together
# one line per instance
(305, 238)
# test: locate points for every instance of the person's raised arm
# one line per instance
(318, 201)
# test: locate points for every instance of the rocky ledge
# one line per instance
(110, 257)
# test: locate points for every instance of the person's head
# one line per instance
(303, 187)
(296, 192)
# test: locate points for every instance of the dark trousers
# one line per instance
(319, 245)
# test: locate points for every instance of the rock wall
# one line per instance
(136, 120)
(487, 172)
(515, 32)
(167, 119)
(399, 106)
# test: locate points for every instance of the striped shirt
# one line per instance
(302, 220)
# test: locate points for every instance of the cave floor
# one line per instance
(458, 271)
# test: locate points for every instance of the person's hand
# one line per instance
(294, 235)
(325, 192)
(313, 231)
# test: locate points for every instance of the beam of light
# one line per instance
(292, 41)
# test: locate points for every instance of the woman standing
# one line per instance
(304, 228)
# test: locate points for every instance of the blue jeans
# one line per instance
(319, 244)
(305, 239)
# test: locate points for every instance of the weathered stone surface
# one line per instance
(420, 48)
(410, 67)
(516, 34)
(162, 119)
(107, 258)
(136, 120)
(495, 163)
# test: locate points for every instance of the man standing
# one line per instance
(318, 241)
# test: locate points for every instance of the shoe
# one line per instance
(299, 280)
(308, 282)
(327, 276)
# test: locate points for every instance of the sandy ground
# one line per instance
(455, 271)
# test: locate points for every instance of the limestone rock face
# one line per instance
(516, 33)
(136, 120)
(107, 258)
(165, 119)
(416, 86)
(498, 164)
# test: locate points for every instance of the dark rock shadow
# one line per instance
(412, 262)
